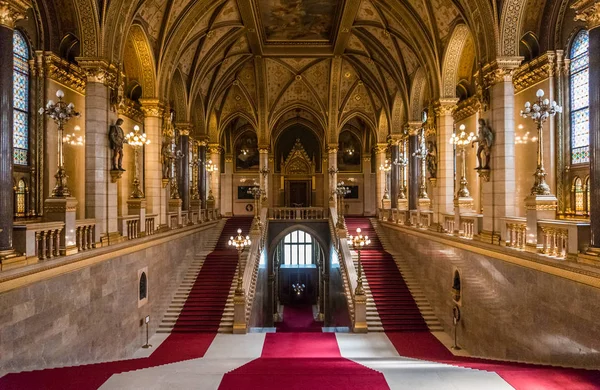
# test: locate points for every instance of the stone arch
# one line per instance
(179, 97)
(372, 127)
(417, 95)
(89, 27)
(307, 229)
(398, 114)
(452, 60)
(510, 27)
(146, 60)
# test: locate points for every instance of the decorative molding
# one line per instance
(466, 108)
(13, 10)
(64, 72)
(452, 59)
(154, 108)
(500, 70)
(535, 71)
(98, 70)
(414, 127)
(131, 110)
(588, 11)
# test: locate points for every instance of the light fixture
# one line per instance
(386, 167)
(461, 141)
(136, 140)
(358, 243)
(239, 242)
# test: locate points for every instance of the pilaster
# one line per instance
(153, 110)
(444, 190)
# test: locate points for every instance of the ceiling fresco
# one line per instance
(298, 20)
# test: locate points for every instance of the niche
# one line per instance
(456, 288)
(142, 286)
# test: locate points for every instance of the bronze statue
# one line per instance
(167, 156)
(485, 139)
(117, 139)
(431, 159)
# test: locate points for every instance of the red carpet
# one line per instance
(395, 304)
(299, 318)
(302, 361)
(193, 333)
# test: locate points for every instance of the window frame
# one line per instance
(572, 112)
(25, 72)
(292, 242)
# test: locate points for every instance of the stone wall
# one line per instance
(92, 314)
(508, 311)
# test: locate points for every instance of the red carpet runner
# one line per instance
(193, 333)
(203, 309)
(396, 306)
(302, 361)
(299, 318)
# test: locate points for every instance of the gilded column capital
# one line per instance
(500, 70)
(13, 10)
(381, 148)
(588, 11)
(63, 72)
(184, 128)
(263, 149)
(332, 148)
(99, 70)
(152, 107)
(466, 108)
(214, 149)
(445, 106)
(414, 127)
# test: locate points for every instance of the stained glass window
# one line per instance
(21, 99)
(578, 190)
(580, 114)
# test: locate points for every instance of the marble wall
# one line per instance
(92, 314)
(508, 311)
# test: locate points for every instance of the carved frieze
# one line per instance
(64, 72)
(98, 70)
(534, 71)
(131, 110)
(13, 10)
(466, 108)
(588, 11)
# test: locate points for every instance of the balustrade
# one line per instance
(38, 239)
(150, 224)
(516, 232)
(449, 223)
(85, 232)
(295, 213)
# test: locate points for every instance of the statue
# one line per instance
(117, 139)
(431, 159)
(485, 139)
(166, 155)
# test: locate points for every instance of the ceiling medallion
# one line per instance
(357, 97)
(298, 77)
(348, 75)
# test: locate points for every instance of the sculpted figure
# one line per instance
(166, 155)
(431, 159)
(485, 139)
(117, 139)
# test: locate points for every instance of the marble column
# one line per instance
(153, 110)
(414, 166)
(332, 168)
(395, 172)
(214, 152)
(499, 192)
(202, 172)
(183, 169)
(381, 177)
(589, 12)
(100, 188)
(11, 14)
(444, 190)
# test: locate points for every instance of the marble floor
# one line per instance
(374, 350)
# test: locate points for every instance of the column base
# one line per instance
(360, 314)
(63, 210)
(488, 237)
(463, 205)
(538, 207)
(111, 239)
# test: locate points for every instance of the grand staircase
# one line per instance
(201, 302)
(395, 302)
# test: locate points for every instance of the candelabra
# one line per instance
(60, 112)
(239, 242)
(402, 162)
(421, 154)
(386, 167)
(358, 243)
(341, 191)
(540, 111)
(210, 168)
(256, 193)
(461, 141)
(136, 140)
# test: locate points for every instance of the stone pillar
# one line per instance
(265, 174)
(100, 184)
(227, 195)
(414, 166)
(444, 190)
(499, 193)
(395, 172)
(214, 190)
(9, 13)
(369, 204)
(183, 169)
(153, 111)
(589, 12)
(202, 172)
(381, 177)
(332, 151)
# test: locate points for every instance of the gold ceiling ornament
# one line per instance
(13, 10)
(588, 11)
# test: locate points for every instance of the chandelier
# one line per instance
(136, 140)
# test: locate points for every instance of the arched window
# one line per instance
(298, 248)
(143, 286)
(579, 195)
(587, 194)
(20, 198)
(579, 86)
(21, 99)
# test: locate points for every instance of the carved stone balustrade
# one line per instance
(151, 224)
(515, 232)
(298, 213)
(85, 233)
(470, 225)
(173, 220)
(449, 223)
(129, 226)
(563, 238)
(38, 240)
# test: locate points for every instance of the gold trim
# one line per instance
(535, 71)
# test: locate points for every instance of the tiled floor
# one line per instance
(374, 350)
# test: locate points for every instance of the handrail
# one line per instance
(345, 260)
(251, 262)
(295, 213)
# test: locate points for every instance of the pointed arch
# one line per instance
(140, 42)
(451, 62)
(417, 95)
